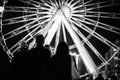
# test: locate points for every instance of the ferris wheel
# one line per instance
(89, 27)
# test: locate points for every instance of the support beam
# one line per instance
(90, 65)
(53, 29)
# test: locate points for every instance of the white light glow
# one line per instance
(90, 65)
(1, 9)
(53, 29)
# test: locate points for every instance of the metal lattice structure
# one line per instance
(74, 22)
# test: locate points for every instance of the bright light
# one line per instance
(1, 9)
(66, 11)
(77, 56)
(90, 65)
(53, 29)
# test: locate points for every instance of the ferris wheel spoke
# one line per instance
(88, 2)
(34, 33)
(19, 31)
(21, 9)
(76, 20)
(21, 28)
(79, 2)
(31, 2)
(26, 38)
(81, 49)
(102, 14)
(79, 8)
(109, 27)
(104, 26)
(51, 32)
(92, 14)
(44, 17)
(63, 3)
(80, 24)
(89, 44)
(16, 47)
(91, 22)
(55, 3)
(47, 3)
(57, 39)
(49, 24)
(66, 2)
(47, 27)
(95, 51)
(115, 52)
(78, 16)
(103, 4)
(36, 4)
(43, 9)
(106, 41)
(24, 19)
(60, 3)
(70, 3)
(51, 28)
(101, 38)
(64, 33)
(81, 19)
(19, 19)
(52, 3)
(31, 10)
(98, 36)
(91, 2)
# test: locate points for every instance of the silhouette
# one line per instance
(40, 60)
(62, 62)
(48, 47)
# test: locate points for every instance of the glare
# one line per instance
(90, 65)
(1, 9)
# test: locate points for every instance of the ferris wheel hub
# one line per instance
(66, 11)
